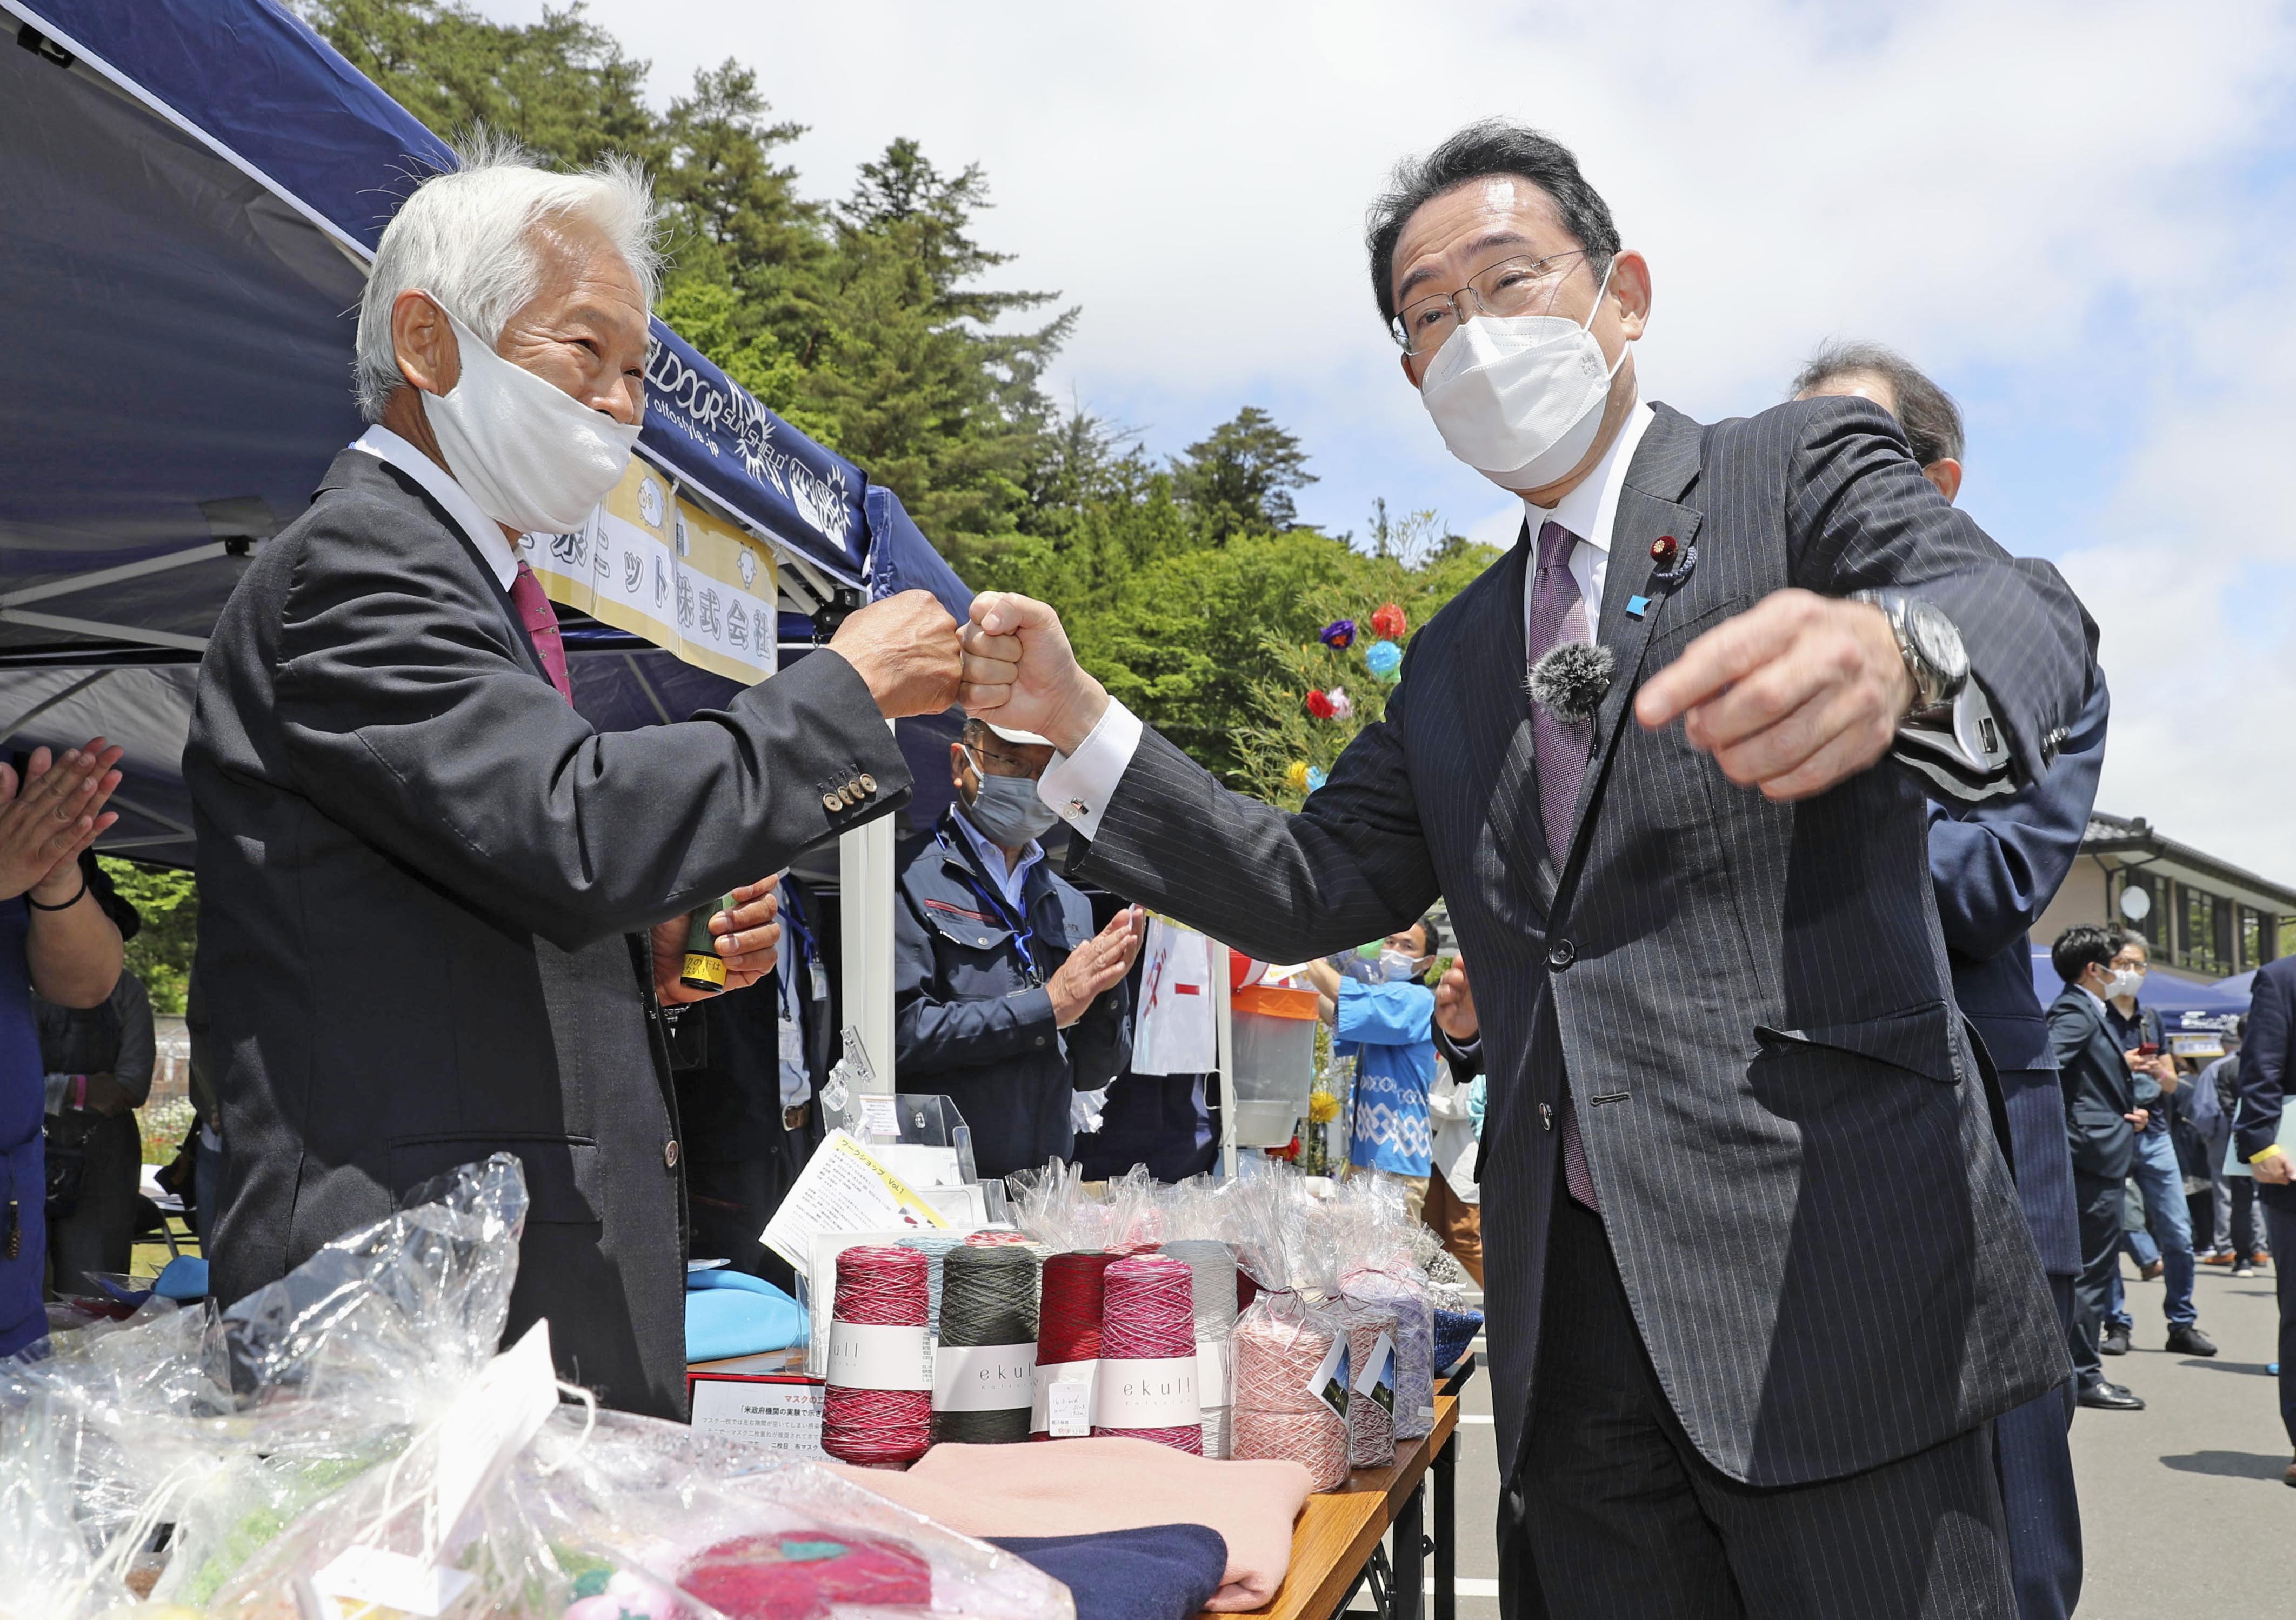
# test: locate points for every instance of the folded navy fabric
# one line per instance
(1165, 1572)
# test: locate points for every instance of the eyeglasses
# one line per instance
(1007, 767)
(1509, 287)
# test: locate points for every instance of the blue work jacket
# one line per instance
(972, 1019)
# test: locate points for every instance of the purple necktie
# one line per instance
(1558, 613)
(541, 621)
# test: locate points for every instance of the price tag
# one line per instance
(359, 1579)
(1071, 1409)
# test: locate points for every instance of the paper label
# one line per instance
(1329, 1382)
(360, 1580)
(844, 1188)
(1377, 1377)
(984, 1377)
(880, 1117)
(865, 1356)
(1211, 1375)
(1157, 1394)
(786, 1416)
(1063, 1387)
(491, 1422)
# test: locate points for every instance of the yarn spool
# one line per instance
(1148, 1354)
(1414, 1345)
(877, 1409)
(1371, 1426)
(1213, 1264)
(935, 1247)
(985, 1366)
(1068, 1326)
(1278, 1346)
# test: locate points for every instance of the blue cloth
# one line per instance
(1387, 1030)
(1165, 1572)
(23, 1162)
(730, 1313)
(2169, 1218)
(1455, 1332)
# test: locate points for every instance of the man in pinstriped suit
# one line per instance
(1757, 1278)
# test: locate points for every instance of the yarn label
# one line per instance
(1061, 1403)
(1376, 1377)
(866, 1356)
(1153, 1394)
(1329, 1382)
(984, 1377)
(1211, 1375)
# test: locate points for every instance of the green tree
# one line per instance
(161, 953)
(1240, 478)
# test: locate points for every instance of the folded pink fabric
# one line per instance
(1082, 1487)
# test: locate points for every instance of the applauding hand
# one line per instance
(1096, 965)
(54, 813)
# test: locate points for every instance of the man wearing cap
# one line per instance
(1006, 1000)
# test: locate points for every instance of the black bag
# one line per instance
(67, 1157)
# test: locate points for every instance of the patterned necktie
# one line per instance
(1559, 750)
(535, 612)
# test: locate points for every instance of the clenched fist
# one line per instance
(906, 647)
(1020, 671)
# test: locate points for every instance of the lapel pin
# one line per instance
(1637, 606)
(1662, 550)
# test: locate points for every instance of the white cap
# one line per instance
(1027, 737)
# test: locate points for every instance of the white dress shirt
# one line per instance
(486, 534)
(1968, 761)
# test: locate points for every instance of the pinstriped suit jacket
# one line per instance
(1750, 1003)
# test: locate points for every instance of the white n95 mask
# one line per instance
(530, 455)
(1519, 397)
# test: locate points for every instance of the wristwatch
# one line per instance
(1928, 643)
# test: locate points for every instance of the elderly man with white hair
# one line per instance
(426, 882)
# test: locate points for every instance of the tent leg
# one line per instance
(865, 865)
(1224, 1028)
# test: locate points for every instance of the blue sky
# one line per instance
(2075, 217)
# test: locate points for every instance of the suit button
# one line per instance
(868, 783)
(832, 803)
(669, 1154)
(1546, 1116)
(1562, 954)
(1040, 1040)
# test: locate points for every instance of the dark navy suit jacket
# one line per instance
(2265, 1055)
(1995, 866)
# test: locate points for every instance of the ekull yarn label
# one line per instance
(862, 1355)
(984, 1377)
(1211, 1375)
(1042, 1415)
(1159, 1394)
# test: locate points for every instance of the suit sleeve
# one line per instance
(411, 717)
(1862, 517)
(2067, 1040)
(1465, 1057)
(1352, 866)
(1997, 866)
(2263, 1067)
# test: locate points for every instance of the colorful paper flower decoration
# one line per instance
(1385, 659)
(1319, 705)
(1340, 633)
(1297, 776)
(1388, 623)
(1316, 778)
(1342, 705)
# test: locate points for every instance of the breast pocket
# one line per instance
(972, 949)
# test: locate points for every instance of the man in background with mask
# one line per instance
(1004, 999)
(1734, 1126)
(426, 882)
(1385, 1020)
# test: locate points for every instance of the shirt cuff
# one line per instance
(1077, 786)
(1963, 756)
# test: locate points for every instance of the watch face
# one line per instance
(1937, 642)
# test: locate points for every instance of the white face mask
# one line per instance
(1396, 966)
(530, 454)
(1519, 397)
(2125, 982)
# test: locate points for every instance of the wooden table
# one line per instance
(1337, 1530)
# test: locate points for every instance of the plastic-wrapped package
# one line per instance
(1053, 1206)
(1288, 1355)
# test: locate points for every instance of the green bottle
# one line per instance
(705, 969)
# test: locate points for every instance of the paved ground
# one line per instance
(2182, 1507)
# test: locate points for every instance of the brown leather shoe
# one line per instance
(2288, 1478)
(2151, 1269)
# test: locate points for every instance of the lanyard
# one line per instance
(989, 896)
(793, 920)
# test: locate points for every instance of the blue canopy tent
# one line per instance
(193, 190)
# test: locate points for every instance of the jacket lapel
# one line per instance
(1665, 466)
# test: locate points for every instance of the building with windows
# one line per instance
(2201, 917)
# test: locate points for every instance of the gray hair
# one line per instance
(1931, 420)
(470, 239)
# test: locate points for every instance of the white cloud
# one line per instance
(2050, 206)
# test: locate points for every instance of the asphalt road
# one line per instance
(2183, 1510)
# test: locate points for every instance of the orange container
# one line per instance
(1274, 1062)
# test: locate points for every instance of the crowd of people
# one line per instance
(1804, 1215)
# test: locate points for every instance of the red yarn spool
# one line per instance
(878, 1407)
(1148, 1354)
(1068, 1323)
